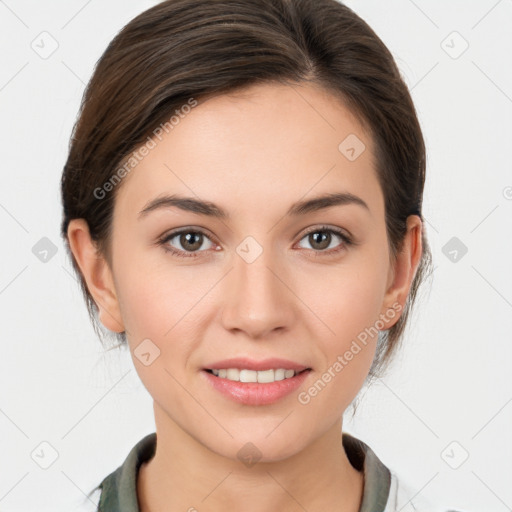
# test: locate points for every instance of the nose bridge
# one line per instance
(257, 301)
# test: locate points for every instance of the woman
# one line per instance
(242, 203)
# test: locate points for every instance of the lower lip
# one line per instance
(255, 393)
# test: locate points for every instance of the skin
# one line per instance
(253, 154)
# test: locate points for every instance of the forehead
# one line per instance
(261, 146)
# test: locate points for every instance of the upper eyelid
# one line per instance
(324, 227)
(179, 231)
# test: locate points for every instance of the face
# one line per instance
(268, 279)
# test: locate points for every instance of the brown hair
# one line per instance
(182, 49)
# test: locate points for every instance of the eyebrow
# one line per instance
(210, 209)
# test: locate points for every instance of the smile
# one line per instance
(262, 376)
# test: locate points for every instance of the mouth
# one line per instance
(258, 376)
(247, 365)
(255, 387)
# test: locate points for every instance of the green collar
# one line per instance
(119, 489)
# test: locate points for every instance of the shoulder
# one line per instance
(119, 488)
(404, 498)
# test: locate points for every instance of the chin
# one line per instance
(260, 447)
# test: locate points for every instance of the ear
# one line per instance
(402, 273)
(97, 274)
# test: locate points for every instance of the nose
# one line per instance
(258, 300)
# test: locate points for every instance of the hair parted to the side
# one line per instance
(183, 49)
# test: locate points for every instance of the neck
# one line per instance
(186, 475)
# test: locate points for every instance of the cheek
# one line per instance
(164, 310)
(147, 304)
(349, 305)
(348, 298)
(355, 307)
(170, 307)
(154, 305)
(162, 303)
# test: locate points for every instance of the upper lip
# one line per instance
(252, 364)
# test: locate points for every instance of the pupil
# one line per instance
(324, 236)
(187, 239)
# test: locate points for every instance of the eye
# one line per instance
(321, 239)
(190, 240)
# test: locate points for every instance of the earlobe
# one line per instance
(96, 273)
(401, 275)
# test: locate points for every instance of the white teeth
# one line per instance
(232, 374)
(263, 376)
(279, 374)
(245, 375)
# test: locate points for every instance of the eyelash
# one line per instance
(346, 242)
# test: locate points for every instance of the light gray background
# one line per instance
(450, 391)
